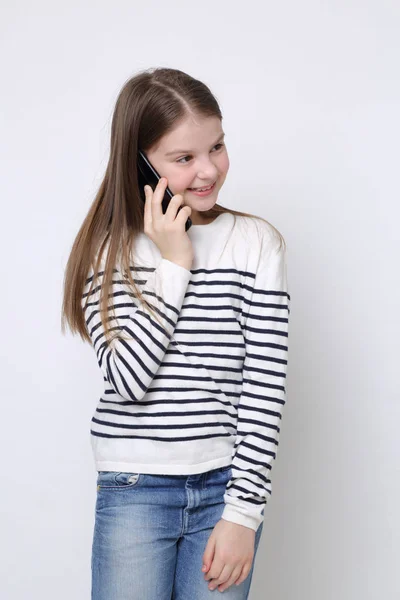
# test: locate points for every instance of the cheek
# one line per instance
(223, 167)
(223, 164)
(178, 180)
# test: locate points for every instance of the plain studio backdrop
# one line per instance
(310, 97)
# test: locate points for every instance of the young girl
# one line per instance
(190, 332)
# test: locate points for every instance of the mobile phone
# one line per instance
(147, 175)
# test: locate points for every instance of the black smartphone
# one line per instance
(147, 175)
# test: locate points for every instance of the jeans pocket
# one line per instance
(107, 480)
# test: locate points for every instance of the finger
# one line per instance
(233, 577)
(158, 195)
(244, 573)
(173, 208)
(208, 554)
(183, 214)
(215, 570)
(147, 217)
(222, 577)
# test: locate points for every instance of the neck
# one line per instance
(198, 218)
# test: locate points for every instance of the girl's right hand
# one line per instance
(167, 230)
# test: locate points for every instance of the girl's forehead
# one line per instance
(190, 134)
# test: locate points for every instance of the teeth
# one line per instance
(202, 189)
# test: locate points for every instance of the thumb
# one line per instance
(208, 554)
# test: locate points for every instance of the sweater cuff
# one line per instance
(173, 266)
(173, 282)
(236, 515)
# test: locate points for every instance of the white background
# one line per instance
(310, 97)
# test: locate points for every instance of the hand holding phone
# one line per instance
(147, 175)
(167, 230)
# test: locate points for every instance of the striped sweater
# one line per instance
(205, 389)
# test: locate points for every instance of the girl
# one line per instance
(190, 332)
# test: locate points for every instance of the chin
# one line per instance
(201, 204)
(203, 207)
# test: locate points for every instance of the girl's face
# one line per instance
(193, 155)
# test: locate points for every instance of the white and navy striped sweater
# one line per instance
(207, 389)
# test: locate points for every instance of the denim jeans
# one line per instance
(150, 534)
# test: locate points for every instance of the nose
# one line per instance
(207, 170)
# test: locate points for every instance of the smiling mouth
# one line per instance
(202, 189)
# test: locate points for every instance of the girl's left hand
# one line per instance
(228, 555)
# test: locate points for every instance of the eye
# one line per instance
(183, 157)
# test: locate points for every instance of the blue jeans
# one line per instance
(150, 534)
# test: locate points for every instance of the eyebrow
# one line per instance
(221, 137)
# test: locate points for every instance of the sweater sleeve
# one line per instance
(130, 362)
(263, 391)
